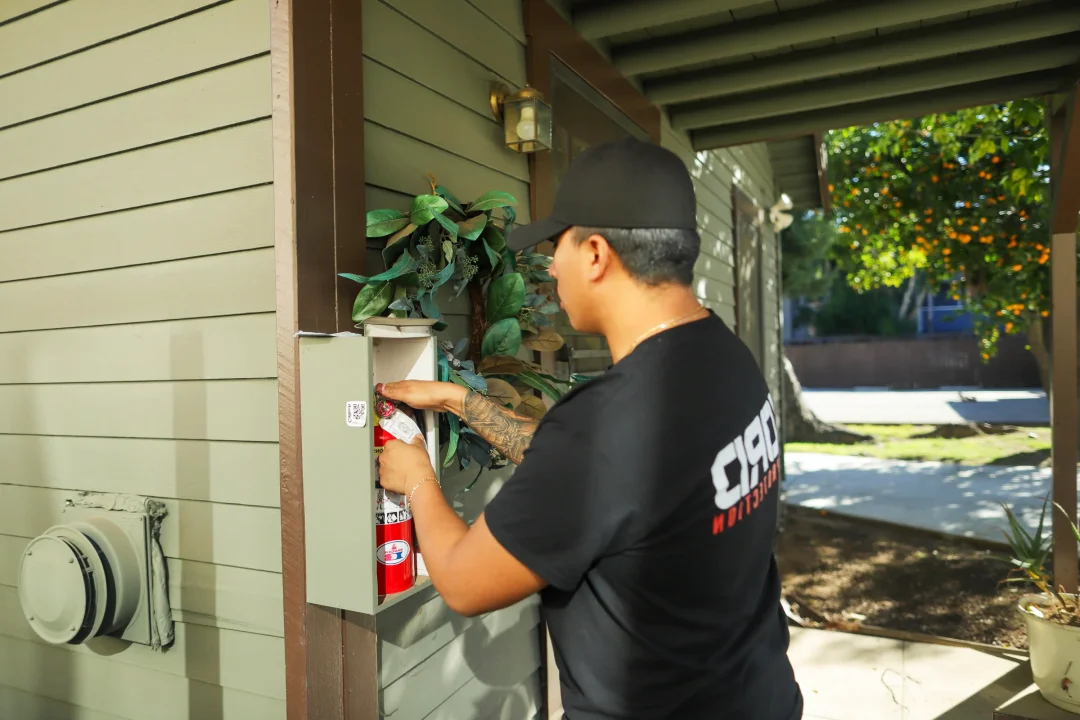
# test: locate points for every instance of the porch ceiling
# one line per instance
(731, 72)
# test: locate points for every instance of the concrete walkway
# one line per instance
(856, 677)
(929, 407)
(955, 499)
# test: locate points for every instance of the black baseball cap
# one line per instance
(624, 183)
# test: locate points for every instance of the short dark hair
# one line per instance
(652, 256)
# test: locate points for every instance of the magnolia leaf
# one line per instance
(426, 207)
(505, 298)
(549, 308)
(547, 340)
(452, 445)
(509, 262)
(405, 264)
(533, 299)
(531, 407)
(492, 200)
(492, 256)
(537, 383)
(429, 307)
(541, 276)
(448, 250)
(449, 225)
(470, 229)
(396, 245)
(372, 301)
(461, 348)
(385, 222)
(449, 198)
(502, 338)
(509, 216)
(495, 238)
(502, 392)
(501, 365)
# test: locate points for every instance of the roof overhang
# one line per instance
(731, 72)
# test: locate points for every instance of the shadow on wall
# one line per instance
(196, 527)
(36, 667)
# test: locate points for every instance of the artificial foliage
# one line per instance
(442, 248)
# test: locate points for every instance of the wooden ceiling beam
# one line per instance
(612, 18)
(986, 31)
(894, 108)
(925, 76)
(776, 31)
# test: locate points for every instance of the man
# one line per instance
(645, 502)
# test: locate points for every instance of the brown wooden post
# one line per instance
(317, 65)
(1065, 192)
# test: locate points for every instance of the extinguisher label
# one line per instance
(394, 552)
(390, 508)
(356, 413)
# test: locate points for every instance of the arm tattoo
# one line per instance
(507, 431)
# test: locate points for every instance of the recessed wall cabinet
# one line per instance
(338, 374)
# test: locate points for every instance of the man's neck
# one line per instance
(639, 314)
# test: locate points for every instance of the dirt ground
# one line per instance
(853, 570)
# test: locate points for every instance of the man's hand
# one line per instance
(402, 466)
(425, 395)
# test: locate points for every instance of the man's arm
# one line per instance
(507, 431)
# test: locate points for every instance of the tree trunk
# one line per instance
(800, 422)
(1037, 338)
(477, 326)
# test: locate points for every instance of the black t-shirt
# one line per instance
(648, 502)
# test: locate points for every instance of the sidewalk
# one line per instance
(944, 497)
(855, 677)
(929, 407)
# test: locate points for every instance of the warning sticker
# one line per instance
(390, 508)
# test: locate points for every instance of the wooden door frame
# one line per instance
(741, 202)
(548, 35)
(331, 659)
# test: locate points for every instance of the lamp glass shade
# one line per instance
(527, 123)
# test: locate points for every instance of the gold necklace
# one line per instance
(664, 326)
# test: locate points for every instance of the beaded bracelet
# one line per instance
(408, 500)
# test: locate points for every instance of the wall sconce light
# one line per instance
(525, 116)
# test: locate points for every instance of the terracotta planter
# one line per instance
(1055, 655)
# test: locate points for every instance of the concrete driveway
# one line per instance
(929, 407)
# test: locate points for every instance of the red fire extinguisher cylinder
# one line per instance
(394, 553)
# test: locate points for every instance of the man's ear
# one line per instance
(601, 257)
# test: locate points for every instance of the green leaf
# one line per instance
(449, 198)
(495, 238)
(397, 245)
(429, 307)
(372, 301)
(426, 207)
(451, 447)
(492, 200)
(385, 222)
(470, 229)
(405, 264)
(493, 257)
(441, 277)
(505, 298)
(502, 338)
(509, 263)
(450, 226)
(538, 383)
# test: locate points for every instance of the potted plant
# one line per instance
(1052, 616)
(441, 248)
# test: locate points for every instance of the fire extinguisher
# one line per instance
(394, 554)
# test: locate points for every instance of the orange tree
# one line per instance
(960, 197)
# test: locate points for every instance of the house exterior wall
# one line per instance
(715, 173)
(137, 338)
(428, 68)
